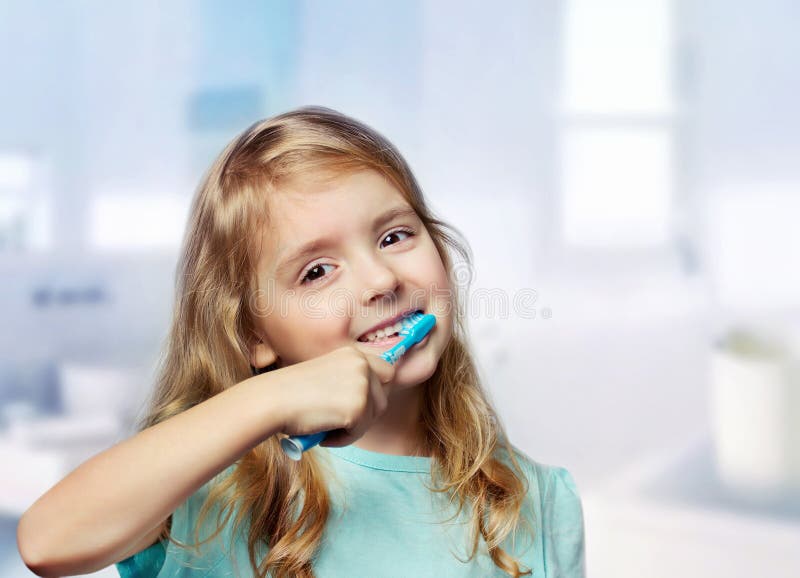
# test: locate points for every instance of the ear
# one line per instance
(262, 354)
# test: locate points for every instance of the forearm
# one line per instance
(90, 518)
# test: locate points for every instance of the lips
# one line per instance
(386, 323)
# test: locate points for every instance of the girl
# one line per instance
(308, 233)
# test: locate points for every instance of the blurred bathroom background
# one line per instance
(626, 172)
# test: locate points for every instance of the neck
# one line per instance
(399, 430)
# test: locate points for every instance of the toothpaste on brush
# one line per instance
(415, 328)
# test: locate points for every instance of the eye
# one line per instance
(316, 271)
(311, 276)
(396, 232)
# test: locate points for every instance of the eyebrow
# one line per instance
(310, 247)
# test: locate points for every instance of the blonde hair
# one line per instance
(286, 503)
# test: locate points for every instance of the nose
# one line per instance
(380, 280)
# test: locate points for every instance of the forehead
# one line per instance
(305, 209)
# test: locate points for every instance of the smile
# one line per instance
(386, 336)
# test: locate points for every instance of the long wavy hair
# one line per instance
(285, 504)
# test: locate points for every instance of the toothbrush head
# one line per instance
(409, 322)
(417, 325)
(414, 329)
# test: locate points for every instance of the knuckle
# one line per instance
(361, 362)
(358, 406)
(349, 421)
(361, 406)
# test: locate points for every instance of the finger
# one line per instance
(336, 439)
(330, 440)
(348, 436)
(378, 395)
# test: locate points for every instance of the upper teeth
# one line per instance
(385, 332)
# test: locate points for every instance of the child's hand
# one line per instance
(344, 390)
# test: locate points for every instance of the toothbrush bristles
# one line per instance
(409, 322)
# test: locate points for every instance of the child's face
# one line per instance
(367, 272)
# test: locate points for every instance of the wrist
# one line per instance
(267, 392)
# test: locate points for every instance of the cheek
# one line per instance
(312, 331)
(437, 286)
(436, 270)
(427, 268)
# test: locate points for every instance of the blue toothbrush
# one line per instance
(415, 327)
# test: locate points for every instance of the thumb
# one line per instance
(382, 368)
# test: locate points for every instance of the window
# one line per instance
(137, 219)
(25, 204)
(616, 130)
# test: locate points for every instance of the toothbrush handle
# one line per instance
(294, 446)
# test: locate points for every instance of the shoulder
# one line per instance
(560, 522)
(553, 482)
(557, 492)
(557, 486)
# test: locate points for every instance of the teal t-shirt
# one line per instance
(384, 523)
